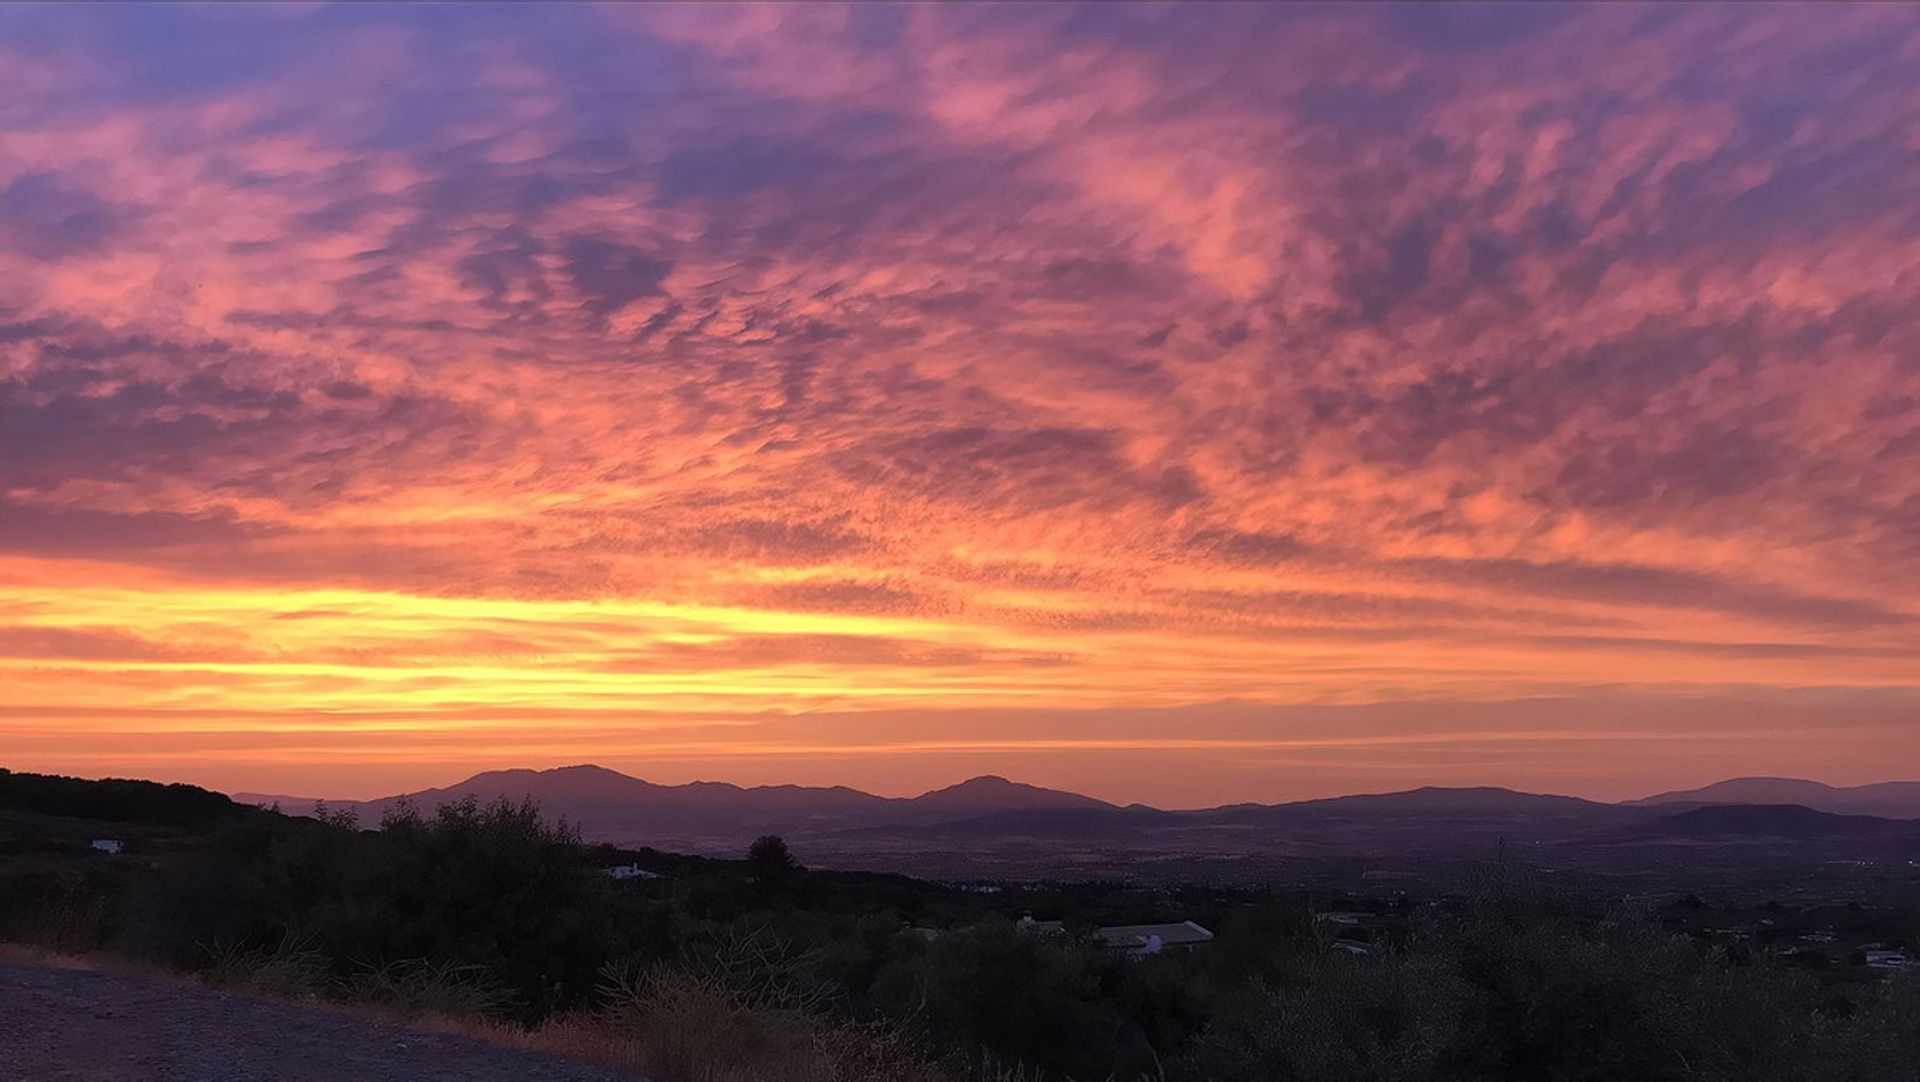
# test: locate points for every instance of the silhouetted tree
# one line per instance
(770, 860)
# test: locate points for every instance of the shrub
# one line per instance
(291, 969)
(494, 889)
(420, 987)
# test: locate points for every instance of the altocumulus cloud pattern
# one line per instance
(1214, 398)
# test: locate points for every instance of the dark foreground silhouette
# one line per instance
(689, 968)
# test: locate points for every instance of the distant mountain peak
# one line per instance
(581, 769)
(983, 782)
(1890, 799)
(1776, 820)
(995, 793)
(1449, 798)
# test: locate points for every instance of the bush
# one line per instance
(62, 907)
(1551, 997)
(1025, 998)
(746, 1005)
(494, 889)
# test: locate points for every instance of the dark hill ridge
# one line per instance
(117, 800)
(1888, 799)
(602, 801)
(588, 786)
(1774, 821)
(1430, 800)
(1430, 807)
(993, 821)
(598, 785)
(991, 792)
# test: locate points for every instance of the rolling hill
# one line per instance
(607, 803)
(1773, 821)
(993, 793)
(1890, 800)
(1435, 801)
(993, 824)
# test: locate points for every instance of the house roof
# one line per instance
(1134, 936)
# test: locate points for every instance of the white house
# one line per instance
(107, 845)
(629, 871)
(1129, 938)
(1885, 959)
(1152, 938)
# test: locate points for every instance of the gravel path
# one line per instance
(70, 1025)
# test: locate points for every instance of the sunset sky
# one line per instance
(1181, 404)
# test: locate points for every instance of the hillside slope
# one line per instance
(1889, 800)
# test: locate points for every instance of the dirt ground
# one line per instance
(80, 1025)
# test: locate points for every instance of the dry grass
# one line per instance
(780, 1050)
(28, 955)
(740, 1010)
(777, 1049)
(739, 1013)
(428, 988)
(291, 969)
